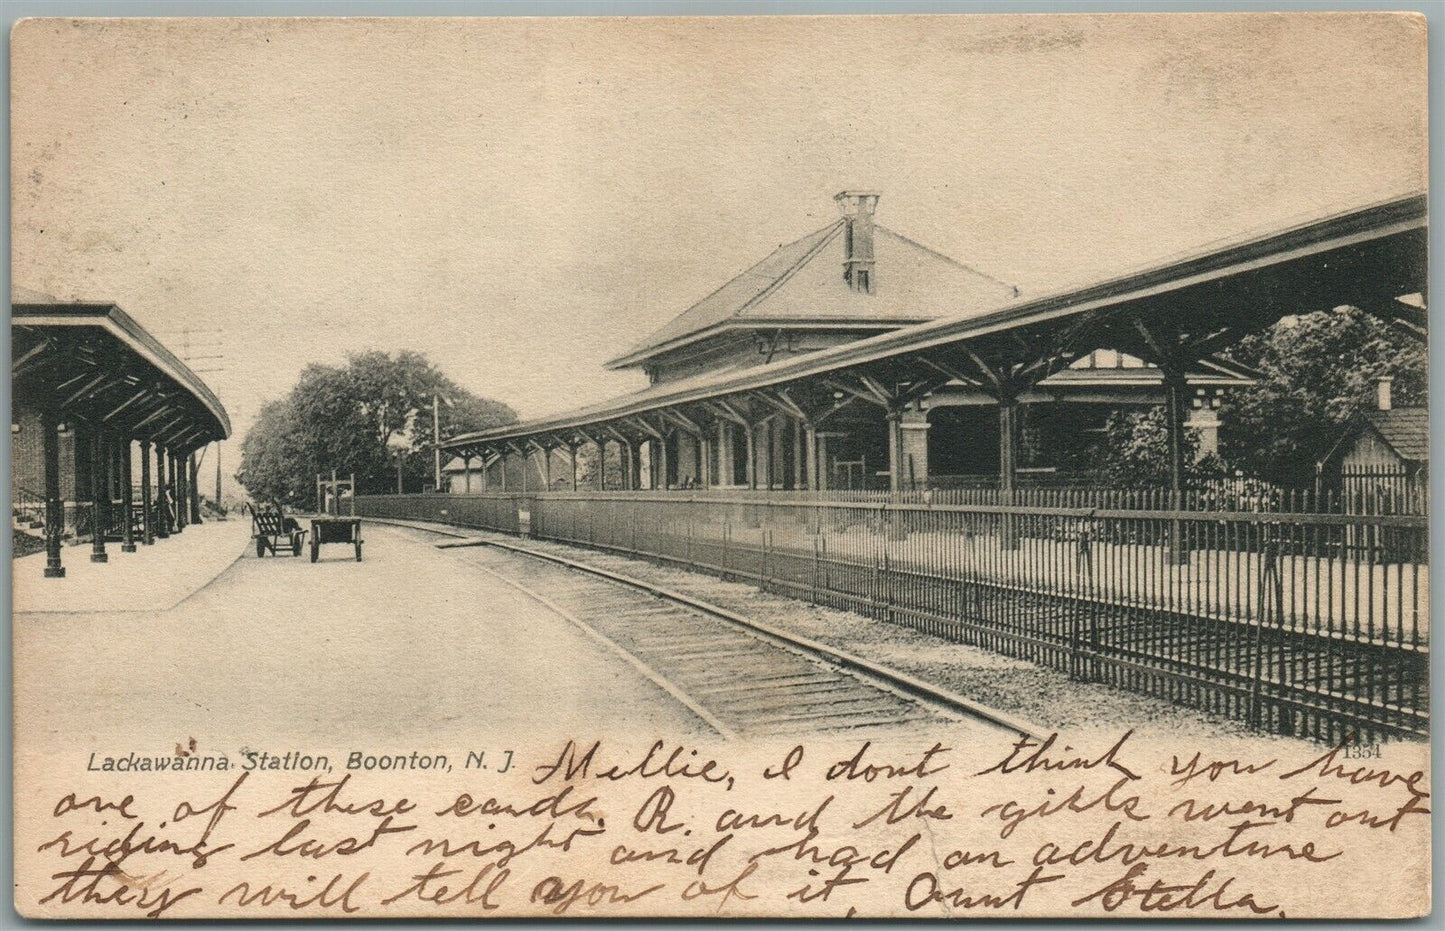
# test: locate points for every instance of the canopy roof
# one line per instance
(1367, 257)
(92, 362)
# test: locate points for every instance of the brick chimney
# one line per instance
(1382, 392)
(858, 207)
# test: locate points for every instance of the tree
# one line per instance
(357, 419)
(1318, 371)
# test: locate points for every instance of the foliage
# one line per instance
(357, 419)
(1134, 450)
(1317, 371)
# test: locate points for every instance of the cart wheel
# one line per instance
(296, 544)
(315, 550)
(260, 547)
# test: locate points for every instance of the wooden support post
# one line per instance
(502, 458)
(193, 488)
(1176, 389)
(127, 504)
(704, 458)
(163, 522)
(662, 463)
(467, 473)
(797, 455)
(173, 488)
(601, 464)
(547, 466)
(98, 493)
(810, 450)
(183, 490)
(147, 518)
(1007, 467)
(54, 505)
(752, 461)
(572, 456)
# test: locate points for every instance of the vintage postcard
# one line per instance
(885, 466)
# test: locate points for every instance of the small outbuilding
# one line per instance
(1382, 460)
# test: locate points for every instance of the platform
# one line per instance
(153, 578)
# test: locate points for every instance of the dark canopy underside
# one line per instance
(92, 363)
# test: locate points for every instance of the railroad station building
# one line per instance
(935, 424)
(856, 359)
(98, 400)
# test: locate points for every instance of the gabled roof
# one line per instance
(1406, 429)
(801, 284)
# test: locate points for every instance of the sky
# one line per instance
(523, 199)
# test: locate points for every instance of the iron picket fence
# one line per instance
(1312, 624)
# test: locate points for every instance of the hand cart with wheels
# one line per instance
(335, 530)
(331, 526)
(275, 533)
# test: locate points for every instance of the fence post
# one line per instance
(1272, 554)
(1084, 573)
(875, 584)
(887, 586)
(1267, 569)
(814, 580)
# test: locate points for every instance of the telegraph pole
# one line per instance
(436, 436)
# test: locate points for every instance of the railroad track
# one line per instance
(741, 677)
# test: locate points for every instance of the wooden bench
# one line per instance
(273, 531)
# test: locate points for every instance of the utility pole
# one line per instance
(436, 436)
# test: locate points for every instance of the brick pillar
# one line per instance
(725, 463)
(823, 460)
(913, 443)
(687, 458)
(763, 451)
(1204, 421)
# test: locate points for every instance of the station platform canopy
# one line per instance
(93, 362)
(1175, 315)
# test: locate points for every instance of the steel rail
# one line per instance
(911, 688)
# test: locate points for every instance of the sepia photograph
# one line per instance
(721, 467)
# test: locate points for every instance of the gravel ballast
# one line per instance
(1049, 699)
